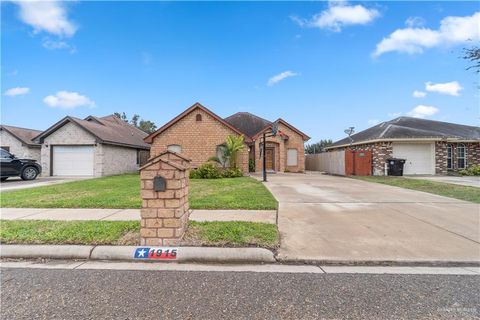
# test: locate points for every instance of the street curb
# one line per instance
(203, 255)
(381, 263)
(126, 253)
(45, 251)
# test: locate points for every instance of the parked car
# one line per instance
(11, 166)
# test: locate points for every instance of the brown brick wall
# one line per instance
(281, 146)
(198, 139)
(441, 156)
(164, 215)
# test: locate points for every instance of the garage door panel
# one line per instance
(419, 157)
(73, 160)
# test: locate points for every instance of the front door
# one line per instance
(270, 158)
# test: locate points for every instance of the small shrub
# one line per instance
(232, 173)
(472, 171)
(206, 171)
(251, 165)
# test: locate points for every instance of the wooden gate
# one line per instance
(358, 162)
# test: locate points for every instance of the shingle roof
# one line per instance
(247, 123)
(108, 130)
(413, 128)
(23, 134)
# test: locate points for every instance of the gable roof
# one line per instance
(149, 139)
(288, 125)
(106, 130)
(23, 134)
(248, 123)
(412, 128)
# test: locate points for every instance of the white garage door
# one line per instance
(73, 160)
(420, 157)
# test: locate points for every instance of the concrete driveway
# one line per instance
(15, 183)
(328, 218)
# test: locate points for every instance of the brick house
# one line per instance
(18, 141)
(94, 146)
(198, 134)
(429, 147)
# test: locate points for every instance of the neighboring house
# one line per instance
(198, 133)
(18, 141)
(429, 147)
(92, 147)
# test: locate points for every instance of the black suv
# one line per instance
(27, 169)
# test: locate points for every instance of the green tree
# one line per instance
(318, 146)
(144, 125)
(147, 126)
(472, 55)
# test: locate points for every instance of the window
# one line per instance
(199, 117)
(175, 148)
(461, 156)
(449, 157)
(4, 154)
(6, 148)
(291, 157)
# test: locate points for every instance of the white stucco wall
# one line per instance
(17, 148)
(116, 159)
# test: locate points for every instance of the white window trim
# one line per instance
(174, 146)
(464, 158)
(289, 163)
(449, 146)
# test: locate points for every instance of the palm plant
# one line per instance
(229, 151)
(233, 144)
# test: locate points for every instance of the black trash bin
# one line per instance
(395, 167)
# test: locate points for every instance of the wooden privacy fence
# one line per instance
(330, 162)
(349, 162)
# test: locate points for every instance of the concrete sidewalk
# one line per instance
(265, 216)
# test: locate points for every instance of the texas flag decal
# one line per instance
(147, 253)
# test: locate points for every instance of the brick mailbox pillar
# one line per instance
(164, 190)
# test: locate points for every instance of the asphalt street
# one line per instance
(114, 294)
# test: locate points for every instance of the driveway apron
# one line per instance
(329, 218)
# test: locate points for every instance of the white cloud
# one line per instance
(413, 22)
(419, 94)
(422, 111)
(68, 100)
(373, 122)
(58, 45)
(339, 15)
(281, 76)
(47, 16)
(453, 30)
(17, 91)
(449, 88)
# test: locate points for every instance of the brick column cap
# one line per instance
(160, 158)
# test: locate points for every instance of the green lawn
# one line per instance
(223, 234)
(66, 232)
(123, 191)
(466, 193)
(234, 193)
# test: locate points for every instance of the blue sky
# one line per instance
(322, 66)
